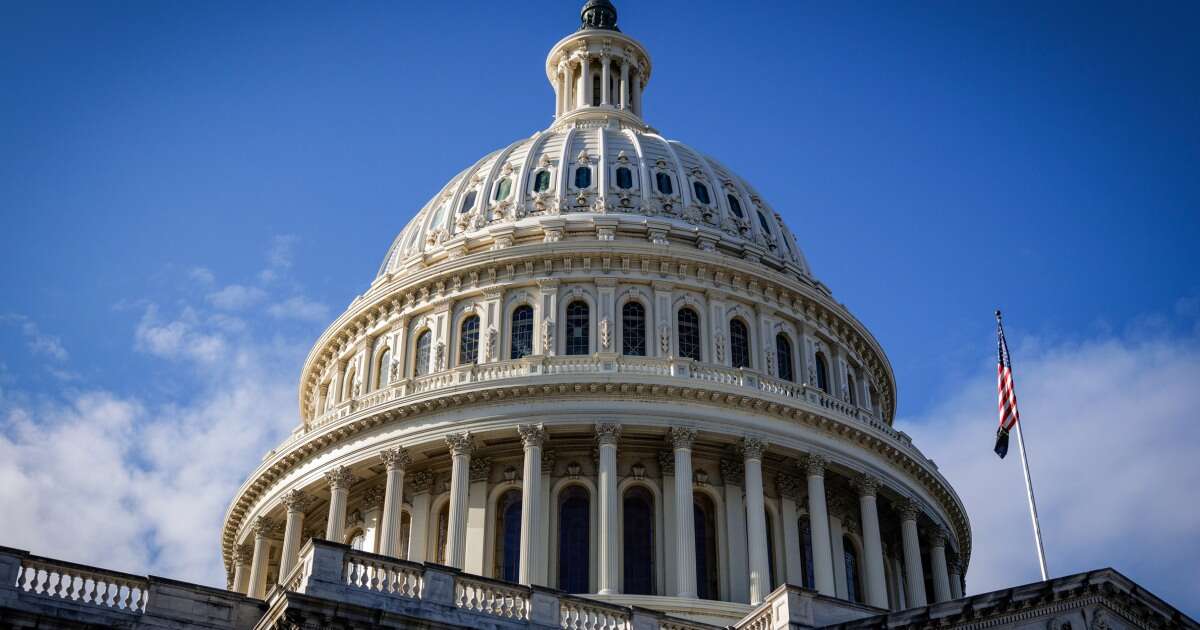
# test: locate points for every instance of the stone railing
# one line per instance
(337, 573)
(787, 392)
(83, 585)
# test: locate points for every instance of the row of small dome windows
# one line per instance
(624, 177)
(633, 342)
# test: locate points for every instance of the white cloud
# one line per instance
(38, 342)
(1113, 433)
(202, 275)
(236, 297)
(179, 338)
(301, 308)
(279, 257)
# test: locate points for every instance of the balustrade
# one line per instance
(83, 585)
(586, 615)
(373, 573)
(491, 598)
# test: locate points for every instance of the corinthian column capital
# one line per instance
(814, 465)
(395, 458)
(532, 435)
(460, 443)
(263, 526)
(866, 485)
(339, 477)
(752, 447)
(608, 433)
(909, 510)
(682, 437)
(295, 500)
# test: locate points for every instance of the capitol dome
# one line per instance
(597, 360)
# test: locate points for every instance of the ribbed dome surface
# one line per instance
(575, 173)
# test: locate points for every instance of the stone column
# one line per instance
(607, 435)
(733, 473)
(637, 94)
(605, 74)
(295, 501)
(339, 480)
(818, 519)
(837, 546)
(262, 528)
(422, 482)
(756, 520)
(789, 496)
(396, 460)
(543, 544)
(532, 436)
(955, 569)
(666, 464)
(872, 542)
(937, 558)
(456, 539)
(585, 80)
(242, 555)
(624, 85)
(372, 518)
(913, 571)
(682, 439)
(477, 517)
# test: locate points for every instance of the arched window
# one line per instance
(783, 357)
(707, 569)
(624, 178)
(638, 541)
(806, 552)
(468, 341)
(503, 188)
(348, 384)
(437, 217)
(443, 533)
(762, 220)
(583, 177)
(541, 181)
(633, 329)
(421, 360)
(383, 369)
(851, 386)
(663, 181)
(739, 344)
(822, 373)
(851, 559)
(405, 534)
(701, 193)
(735, 206)
(468, 203)
(578, 322)
(574, 535)
(874, 394)
(508, 537)
(522, 332)
(689, 334)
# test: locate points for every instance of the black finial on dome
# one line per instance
(599, 14)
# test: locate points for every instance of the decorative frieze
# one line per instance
(481, 469)
(421, 481)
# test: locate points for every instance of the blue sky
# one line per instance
(191, 192)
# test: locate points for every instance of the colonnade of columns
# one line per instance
(621, 82)
(250, 562)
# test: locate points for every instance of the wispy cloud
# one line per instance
(38, 342)
(236, 297)
(1113, 434)
(179, 337)
(300, 308)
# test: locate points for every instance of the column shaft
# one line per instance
(258, 564)
(460, 471)
(956, 590)
(914, 573)
(242, 555)
(339, 488)
(685, 531)
(393, 498)
(531, 495)
(756, 522)
(872, 544)
(292, 530)
(607, 435)
(624, 96)
(818, 520)
(941, 577)
(605, 65)
(585, 80)
(837, 548)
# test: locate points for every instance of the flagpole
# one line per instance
(1037, 528)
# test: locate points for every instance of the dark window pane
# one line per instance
(762, 220)
(735, 206)
(522, 332)
(707, 568)
(578, 324)
(421, 364)
(633, 329)
(583, 177)
(624, 178)
(573, 540)
(507, 545)
(822, 373)
(468, 344)
(468, 202)
(639, 541)
(503, 188)
(806, 553)
(851, 570)
(701, 193)
(850, 387)
(739, 344)
(783, 357)
(596, 90)
(541, 182)
(664, 183)
(689, 334)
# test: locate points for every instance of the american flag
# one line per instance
(1008, 395)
